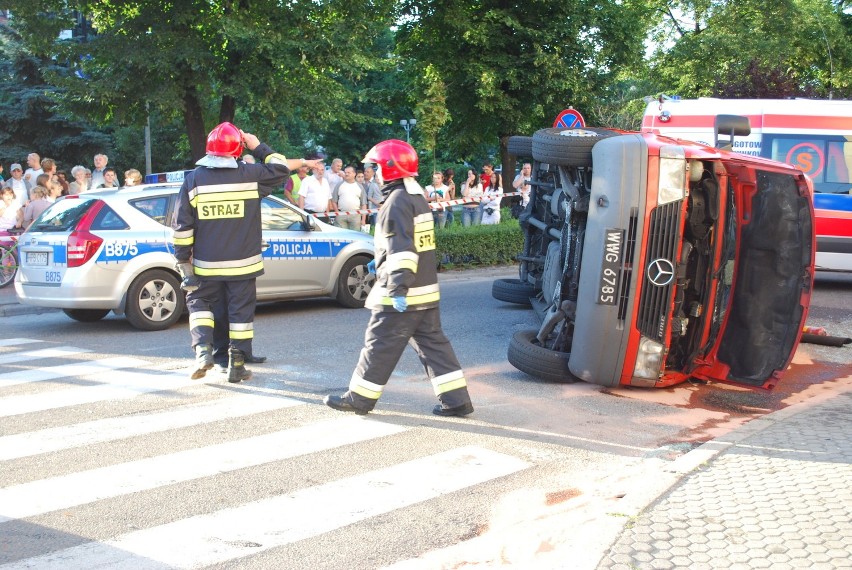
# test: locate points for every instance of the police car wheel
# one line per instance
(567, 147)
(354, 282)
(527, 355)
(154, 301)
(86, 315)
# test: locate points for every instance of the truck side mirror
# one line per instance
(730, 126)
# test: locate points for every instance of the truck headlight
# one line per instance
(672, 174)
(649, 359)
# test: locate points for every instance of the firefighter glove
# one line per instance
(190, 282)
(399, 303)
(371, 266)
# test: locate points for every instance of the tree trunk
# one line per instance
(193, 119)
(508, 163)
(227, 109)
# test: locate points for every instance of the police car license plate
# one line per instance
(36, 258)
(611, 267)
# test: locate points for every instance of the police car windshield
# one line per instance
(62, 216)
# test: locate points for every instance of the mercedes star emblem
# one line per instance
(661, 272)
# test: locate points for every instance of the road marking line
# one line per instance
(66, 370)
(51, 494)
(237, 532)
(17, 341)
(59, 351)
(131, 384)
(110, 429)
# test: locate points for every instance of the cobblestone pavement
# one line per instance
(779, 498)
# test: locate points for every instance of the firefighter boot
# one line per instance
(237, 371)
(203, 361)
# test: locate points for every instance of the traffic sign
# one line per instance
(569, 119)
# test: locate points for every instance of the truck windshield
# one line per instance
(826, 159)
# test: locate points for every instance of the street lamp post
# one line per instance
(408, 124)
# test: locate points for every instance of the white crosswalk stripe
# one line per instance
(234, 533)
(67, 370)
(17, 341)
(197, 536)
(78, 435)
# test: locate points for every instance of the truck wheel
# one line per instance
(86, 315)
(527, 355)
(512, 291)
(520, 146)
(567, 147)
(154, 301)
(354, 282)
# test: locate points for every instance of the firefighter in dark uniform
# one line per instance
(404, 299)
(217, 240)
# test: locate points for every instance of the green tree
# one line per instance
(509, 66)
(431, 111)
(29, 114)
(754, 48)
(201, 60)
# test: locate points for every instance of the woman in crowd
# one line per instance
(61, 177)
(82, 181)
(451, 195)
(132, 177)
(471, 190)
(11, 213)
(38, 204)
(491, 197)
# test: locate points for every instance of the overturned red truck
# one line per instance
(652, 260)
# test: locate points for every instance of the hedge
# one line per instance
(479, 245)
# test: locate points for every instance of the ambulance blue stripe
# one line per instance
(841, 202)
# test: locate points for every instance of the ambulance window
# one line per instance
(839, 162)
(154, 207)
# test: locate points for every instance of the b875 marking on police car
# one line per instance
(611, 266)
(120, 249)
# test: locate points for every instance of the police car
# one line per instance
(111, 250)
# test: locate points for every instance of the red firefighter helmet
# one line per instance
(396, 158)
(225, 140)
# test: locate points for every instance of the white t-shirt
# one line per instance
(20, 189)
(31, 181)
(9, 217)
(315, 193)
(349, 196)
(439, 193)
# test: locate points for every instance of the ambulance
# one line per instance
(815, 136)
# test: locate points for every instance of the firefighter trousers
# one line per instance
(240, 298)
(384, 342)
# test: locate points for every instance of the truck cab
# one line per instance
(652, 260)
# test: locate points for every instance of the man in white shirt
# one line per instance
(522, 183)
(34, 170)
(438, 192)
(98, 172)
(315, 194)
(18, 186)
(349, 196)
(334, 174)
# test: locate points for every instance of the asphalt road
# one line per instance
(168, 478)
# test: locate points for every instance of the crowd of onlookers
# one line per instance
(335, 191)
(338, 192)
(27, 193)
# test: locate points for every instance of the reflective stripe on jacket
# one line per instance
(218, 224)
(406, 265)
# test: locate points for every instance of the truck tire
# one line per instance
(528, 356)
(512, 291)
(567, 147)
(520, 146)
